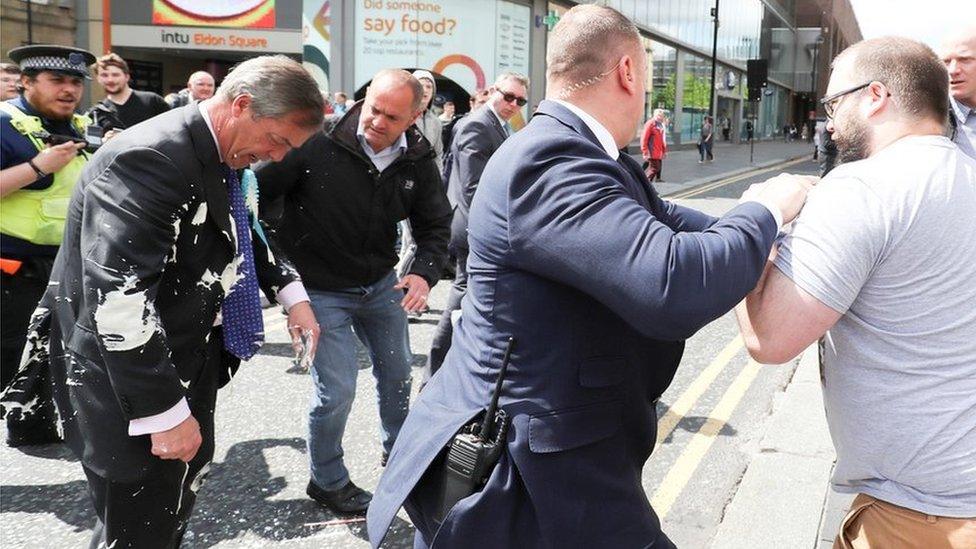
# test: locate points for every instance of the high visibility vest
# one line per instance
(38, 216)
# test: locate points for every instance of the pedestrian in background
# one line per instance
(339, 105)
(476, 139)
(653, 145)
(873, 266)
(818, 135)
(126, 107)
(958, 52)
(199, 86)
(705, 141)
(428, 123)
(448, 114)
(9, 80)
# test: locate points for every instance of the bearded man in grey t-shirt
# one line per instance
(881, 263)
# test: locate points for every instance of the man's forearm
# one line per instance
(16, 177)
(748, 309)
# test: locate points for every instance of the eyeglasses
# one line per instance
(831, 102)
(511, 97)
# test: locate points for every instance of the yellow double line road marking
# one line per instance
(729, 180)
(676, 412)
(686, 464)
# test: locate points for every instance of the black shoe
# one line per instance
(350, 499)
(31, 435)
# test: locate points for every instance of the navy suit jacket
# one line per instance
(476, 139)
(600, 281)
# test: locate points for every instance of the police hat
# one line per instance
(46, 57)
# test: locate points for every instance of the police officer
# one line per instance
(36, 179)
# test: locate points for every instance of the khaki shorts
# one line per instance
(876, 524)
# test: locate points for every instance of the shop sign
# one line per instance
(198, 38)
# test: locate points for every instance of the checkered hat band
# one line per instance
(53, 63)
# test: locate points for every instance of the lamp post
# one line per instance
(711, 94)
(30, 26)
(814, 86)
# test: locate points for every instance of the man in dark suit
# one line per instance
(476, 138)
(158, 243)
(574, 254)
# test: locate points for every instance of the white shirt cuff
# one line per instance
(773, 209)
(160, 422)
(291, 294)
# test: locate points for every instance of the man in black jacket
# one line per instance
(343, 194)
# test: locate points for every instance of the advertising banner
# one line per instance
(316, 39)
(241, 14)
(468, 42)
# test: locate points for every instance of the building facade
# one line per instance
(789, 34)
(467, 43)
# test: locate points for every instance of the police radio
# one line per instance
(91, 141)
(475, 449)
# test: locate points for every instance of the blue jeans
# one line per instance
(373, 314)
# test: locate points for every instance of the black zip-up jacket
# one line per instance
(334, 215)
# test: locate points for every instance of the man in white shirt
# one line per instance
(880, 264)
(958, 52)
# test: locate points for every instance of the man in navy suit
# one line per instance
(599, 281)
(476, 139)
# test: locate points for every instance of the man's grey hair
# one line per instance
(585, 44)
(198, 74)
(915, 76)
(400, 77)
(278, 87)
(659, 111)
(518, 77)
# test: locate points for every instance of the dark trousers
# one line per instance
(154, 512)
(21, 293)
(654, 166)
(445, 330)
(705, 149)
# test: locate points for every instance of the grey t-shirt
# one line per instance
(890, 243)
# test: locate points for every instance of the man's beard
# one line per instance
(852, 145)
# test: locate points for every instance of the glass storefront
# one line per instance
(750, 29)
(697, 88)
(661, 92)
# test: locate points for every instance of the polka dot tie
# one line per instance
(242, 319)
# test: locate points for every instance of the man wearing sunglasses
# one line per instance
(476, 138)
(879, 264)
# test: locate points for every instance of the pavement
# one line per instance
(681, 170)
(785, 498)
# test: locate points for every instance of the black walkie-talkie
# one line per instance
(475, 449)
